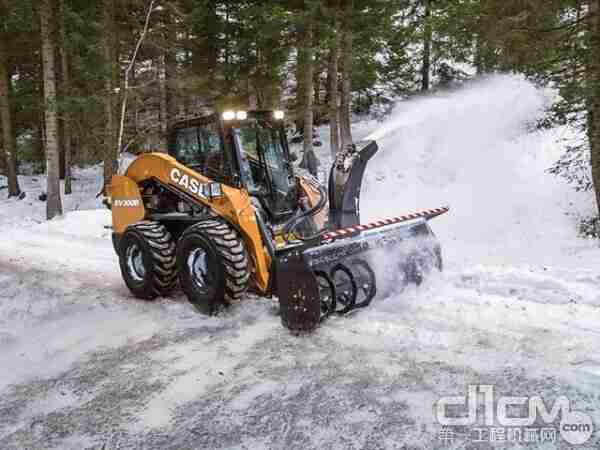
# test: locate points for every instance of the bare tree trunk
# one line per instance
(110, 146)
(579, 4)
(333, 87)
(346, 56)
(171, 74)
(227, 33)
(478, 57)
(316, 80)
(426, 65)
(129, 73)
(167, 71)
(271, 94)
(213, 43)
(66, 83)
(300, 85)
(593, 100)
(40, 138)
(309, 158)
(164, 102)
(255, 97)
(8, 137)
(53, 202)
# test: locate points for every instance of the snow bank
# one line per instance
(14, 213)
(473, 149)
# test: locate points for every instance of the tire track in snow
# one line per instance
(242, 380)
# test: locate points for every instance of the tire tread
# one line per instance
(163, 253)
(231, 252)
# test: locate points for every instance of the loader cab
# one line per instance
(197, 143)
(246, 150)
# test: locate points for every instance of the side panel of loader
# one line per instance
(229, 203)
(126, 203)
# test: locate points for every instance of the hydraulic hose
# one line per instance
(294, 222)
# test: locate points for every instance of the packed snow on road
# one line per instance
(517, 307)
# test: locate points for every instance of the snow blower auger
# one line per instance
(224, 212)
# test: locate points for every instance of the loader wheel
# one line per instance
(147, 260)
(115, 243)
(213, 265)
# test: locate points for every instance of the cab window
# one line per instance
(199, 147)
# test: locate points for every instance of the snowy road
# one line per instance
(84, 365)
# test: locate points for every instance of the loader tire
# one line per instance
(115, 242)
(213, 265)
(147, 260)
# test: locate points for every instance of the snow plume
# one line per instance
(474, 149)
(488, 109)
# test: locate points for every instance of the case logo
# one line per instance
(188, 183)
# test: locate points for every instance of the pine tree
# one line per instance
(309, 158)
(427, 38)
(110, 72)
(65, 91)
(593, 95)
(9, 154)
(347, 59)
(53, 202)
(333, 85)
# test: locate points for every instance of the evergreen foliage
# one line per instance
(215, 54)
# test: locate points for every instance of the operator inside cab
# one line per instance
(244, 150)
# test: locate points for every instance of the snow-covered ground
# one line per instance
(84, 365)
(15, 213)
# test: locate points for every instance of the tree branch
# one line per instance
(128, 70)
(557, 28)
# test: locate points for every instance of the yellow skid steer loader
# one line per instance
(224, 211)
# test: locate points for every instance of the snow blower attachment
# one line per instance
(335, 276)
(224, 212)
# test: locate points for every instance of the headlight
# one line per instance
(278, 115)
(241, 115)
(228, 115)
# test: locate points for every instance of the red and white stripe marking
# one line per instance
(344, 232)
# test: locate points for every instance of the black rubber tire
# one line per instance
(115, 242)
(344, 302)
(227, 265)
(158, 251)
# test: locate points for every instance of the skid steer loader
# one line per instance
(224, 211)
